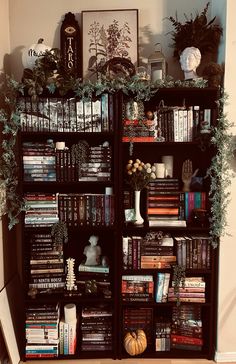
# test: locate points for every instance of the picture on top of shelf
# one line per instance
(108, 34)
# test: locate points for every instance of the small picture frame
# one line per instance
(107, 34)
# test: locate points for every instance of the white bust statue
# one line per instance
(190, 59)
(92, 251)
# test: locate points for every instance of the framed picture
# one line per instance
(107, 34)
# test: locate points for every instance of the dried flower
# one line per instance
(139, 174)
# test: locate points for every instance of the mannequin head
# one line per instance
(190, 59)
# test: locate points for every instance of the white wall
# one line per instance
(43, 20)
(226, 348)
(4, 50)
(31, 19)
(4, 31)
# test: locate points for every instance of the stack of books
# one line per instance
(96, 329)
(186, 330)
(98, 166)
(165, 203)
(46, 264)
(192, 290)
(41, 328)
(139, 131)
(137, 288)
(39, 162)
(157, 253)
(42, 209)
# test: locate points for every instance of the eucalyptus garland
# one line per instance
(11, 201)
(220, 173)
(59, 233)
(139, 90)
(179, 280)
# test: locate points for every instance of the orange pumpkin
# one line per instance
(135, 342)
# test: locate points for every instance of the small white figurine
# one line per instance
(92, 251)
(70, 278)
(190, 59)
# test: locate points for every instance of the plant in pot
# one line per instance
(194, 38)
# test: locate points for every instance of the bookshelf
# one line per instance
(73, 172)
(172, 239)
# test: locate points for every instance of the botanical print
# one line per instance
(107, 36)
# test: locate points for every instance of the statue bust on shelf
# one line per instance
(92, 251)
(190, 59)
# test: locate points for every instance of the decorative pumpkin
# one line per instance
(135, 342)
(30, 54)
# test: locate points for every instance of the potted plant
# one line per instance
(196, 32)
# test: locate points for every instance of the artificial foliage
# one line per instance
(195, 32)
(51, 79)
(59, 232)
(10, 120)
(220, 172)
(179, 274)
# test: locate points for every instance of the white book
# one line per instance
(174, 223)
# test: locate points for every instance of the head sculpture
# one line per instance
(190, 59)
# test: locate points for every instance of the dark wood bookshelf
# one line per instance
(110, 237)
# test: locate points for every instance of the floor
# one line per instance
(126, 361)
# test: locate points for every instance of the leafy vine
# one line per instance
(53, 81)
(220, 172)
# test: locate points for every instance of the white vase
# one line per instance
(138, 218)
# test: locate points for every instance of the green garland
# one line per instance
(138, 90)
(220, 172)
(10, 118)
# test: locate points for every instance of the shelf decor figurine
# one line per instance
(139, 175)
(92, 251)
(70, 278)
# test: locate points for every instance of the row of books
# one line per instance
(96, 328)
(87, 209)
(66, 115)
(42, 162)
(142, 253)
(191, 251)
(74, 209)
(41, 331)
(95, 167)
(162, 335)
(170, 124)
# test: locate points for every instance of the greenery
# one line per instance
(195, 32)
(53, 79)
(59, 233)
(9, 174)
(220, 172)
(179, 280)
